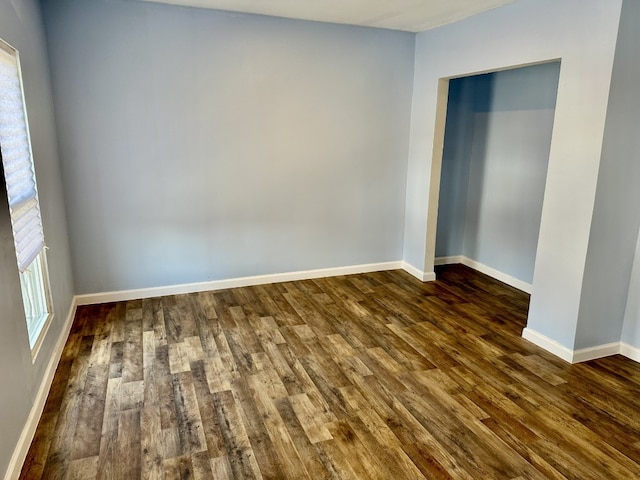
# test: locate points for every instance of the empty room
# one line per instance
(329, 239)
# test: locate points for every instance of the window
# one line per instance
(20, 179)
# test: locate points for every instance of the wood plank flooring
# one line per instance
(372, 376)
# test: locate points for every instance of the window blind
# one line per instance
(15, 150)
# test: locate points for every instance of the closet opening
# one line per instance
(497, 138)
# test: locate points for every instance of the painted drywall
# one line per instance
(583, 35)
(21, 26)
(631, 324)
(505, 151)
(456, 158)
(201, 145)
(616, 217)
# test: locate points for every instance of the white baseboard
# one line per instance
(599, 351)
(419, 274)
(548, 344)
(482, 268)
(448, 260)
(583, 354)
(429, 277)
(124, 295)
(630, 351)
(29, 430)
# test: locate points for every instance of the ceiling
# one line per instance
(408, 15)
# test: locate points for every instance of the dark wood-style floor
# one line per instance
(373, 376)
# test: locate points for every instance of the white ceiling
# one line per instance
(409, 15)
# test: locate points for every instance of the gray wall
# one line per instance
(497, 148)
(631, 324)
(616, 215)
(21, 26)
(456, 158)
(202, 145)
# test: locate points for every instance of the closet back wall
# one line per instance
(200, 145)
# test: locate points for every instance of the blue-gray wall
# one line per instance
(631, 324)
(456, 158)
(201, 145)
(21, 26)
(616, 215)
(494, 167)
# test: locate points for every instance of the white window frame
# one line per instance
(38, 307)
(34, 279)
